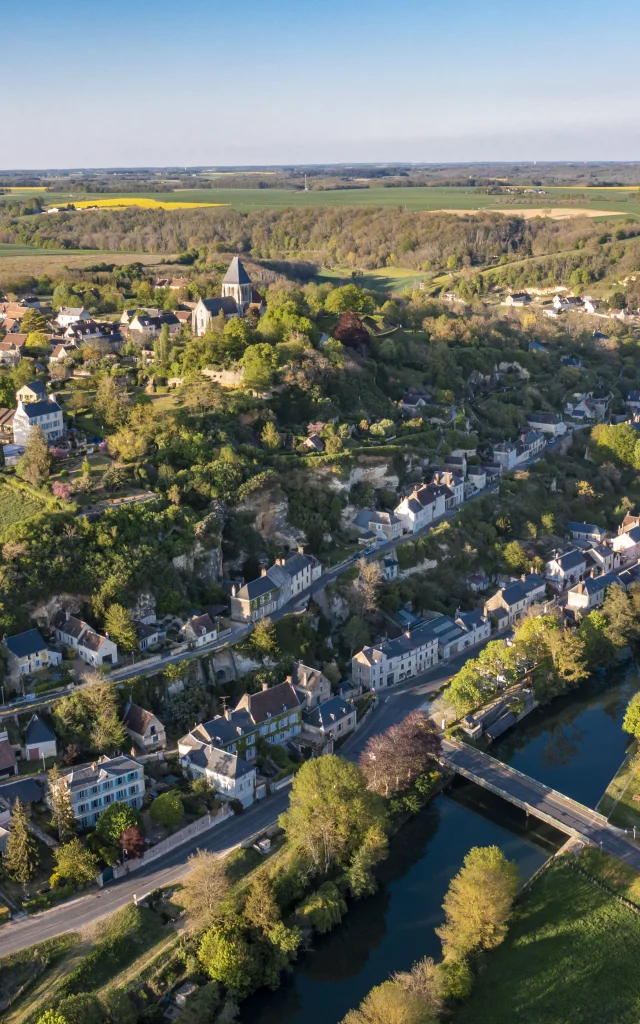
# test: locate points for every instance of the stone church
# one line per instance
(238, 295)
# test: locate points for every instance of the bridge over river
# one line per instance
(535, 798)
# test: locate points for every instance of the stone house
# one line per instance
(275, 587)
(71, 315)
(144, 728)
(28, 653)
(311, 685)
(627, 544)
(325, 725)
(422, 506)
(564, 569)
(591, 592)
(511, 602)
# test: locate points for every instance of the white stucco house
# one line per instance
(46, 414)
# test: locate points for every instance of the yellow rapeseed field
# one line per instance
(150, 204)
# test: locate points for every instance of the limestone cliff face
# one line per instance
(203, 562)
(45, 611)
(378, 473)
(270, 506)
(333, 606)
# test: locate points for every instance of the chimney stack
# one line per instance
(265, 686)
(263, 571)
(300, 549)
(227, 714)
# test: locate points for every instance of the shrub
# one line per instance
(323, 909)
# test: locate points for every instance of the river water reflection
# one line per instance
(575, 746)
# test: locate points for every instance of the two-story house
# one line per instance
(275, 587)
(89, 645)
(231, 776)
(10, 353)
(627, 544)
(547, 423)
(27, 653)
(422, 506)
(92, 787)
(46, 414)
(565, 568)
(591, 592)
(384, 525)
(601, 558)
(144, 728)
(326, 724)
(477, 475)
(71, 315)
(390, 661)
(511, 602)
(587, 531)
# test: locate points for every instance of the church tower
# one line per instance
(237, 284)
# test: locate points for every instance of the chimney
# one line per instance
(265, 686)
(407, 632)
(227, 714)
(234, 590)
(67, 614)
(300, 549)
(263, 571)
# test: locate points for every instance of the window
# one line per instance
(133, 789)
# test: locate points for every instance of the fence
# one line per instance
(194, 829)
(275, 786)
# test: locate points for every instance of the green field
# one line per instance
(389, 279)
(422, 198)
(571, 957)
(621, 800)
(16, 505)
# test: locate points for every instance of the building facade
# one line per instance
(93, 787)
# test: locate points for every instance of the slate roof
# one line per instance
(33, 409)
(593, 585)
(424, 633)
(86, 774)
(514, 593)
(236, 274)
(36, 386)
(219, 730)
(571, 560)
(219, 761)
(268, 703)
(257, 587)
(28, 791)
(545, 417)
(472, 620)
(23, 644)
(634, 534)
(327, 714)
(574, 527)
(201, 624)
(137, 719)
(38, 731)
(227, 304)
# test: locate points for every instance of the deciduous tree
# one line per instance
(331, 811)
(390, 1003)
(206, 885)
(478, 902)
(34, 465)
(75, 863)
(167, 809)
(115, 819)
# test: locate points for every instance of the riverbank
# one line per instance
(620, 802)
(570, 957)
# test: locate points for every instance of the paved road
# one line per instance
(565, 814)
(392, 707)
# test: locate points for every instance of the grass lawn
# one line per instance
(570, 957)
(621, 800)
(388, 279)
(16, 506)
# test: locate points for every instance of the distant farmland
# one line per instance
(598, 202)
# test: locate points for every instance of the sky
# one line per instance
(205, 82)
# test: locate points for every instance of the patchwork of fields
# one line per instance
(574, 202)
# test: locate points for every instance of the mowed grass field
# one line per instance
(598, 202)
(571, 957)
(24, 259)
(388, 279)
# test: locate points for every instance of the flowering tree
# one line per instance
(61, 490)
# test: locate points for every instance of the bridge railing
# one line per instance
(594, 815)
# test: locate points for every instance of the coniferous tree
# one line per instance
(120, 627)
(62, 813)
(21, 854)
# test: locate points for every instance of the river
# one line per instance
(576, 746)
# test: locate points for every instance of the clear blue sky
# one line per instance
(135, 82)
